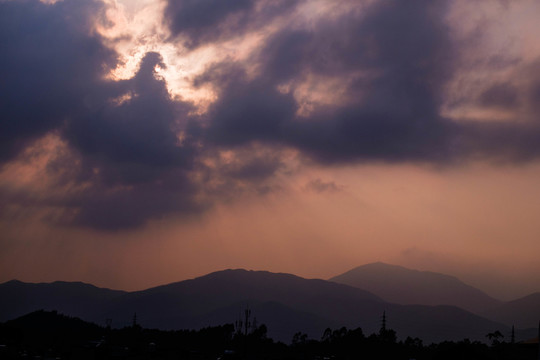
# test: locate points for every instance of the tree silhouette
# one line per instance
(494, 337)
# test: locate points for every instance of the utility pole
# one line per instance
(513, 336)
(247, 322)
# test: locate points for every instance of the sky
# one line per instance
(144, 142)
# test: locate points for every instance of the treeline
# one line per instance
(48, 335)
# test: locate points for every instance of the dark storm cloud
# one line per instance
(250, 111)
(499, 142)
(202, 21)
(103, 207)
(500, 95)
(142, 165)
(139, 130)
(49, 68)
(405, 55)
(124, 163)
(254, 167)
(534, 99)
(405, 49)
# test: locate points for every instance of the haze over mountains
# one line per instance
(73, 298)
(285, 303)
(523, 312)
(397, 284)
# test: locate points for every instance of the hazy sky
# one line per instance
(149, 141)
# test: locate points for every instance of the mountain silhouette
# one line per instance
(397, 284)
(523, 312)
(47, 322)
(285, 303)
(73, 298)
(185, 303)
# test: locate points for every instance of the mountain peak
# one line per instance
(405, 286)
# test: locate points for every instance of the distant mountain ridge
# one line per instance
(523, 312)
(285, 303)
(397, 284)
(195, 302)
(74, 298)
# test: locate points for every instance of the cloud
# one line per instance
(203, 21)
(50, 68)
(403, 54)
(393, 62)
(500, 95)
(138, 166)
(319, 186)
(360, 82)
(249, 111)
(140, 130)
(123, 161)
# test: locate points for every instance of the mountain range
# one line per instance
(285, 303)
(399, 285)
(523, 312)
